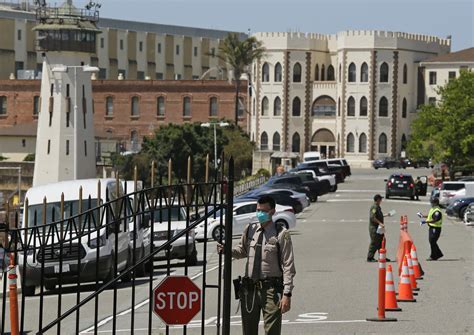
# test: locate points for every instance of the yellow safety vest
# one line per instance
(436, 224)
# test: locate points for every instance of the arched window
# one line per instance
(350, 142)
(295, 143)
(135, 106)
(278, 75)
(339, 74)
(352, 73)
(323, 106)
(297, 73)
(383, 107)
(265, 73)
(213, 106)
(265, 106)
(405, 74)
(276, 142)
(264, 141)
(363, 107)
(339, 107)
(316, 73)
(404, 108)
(277, 107)
(109, 106)
(363, 143)
(187, 106)
(404, 142)
(383, 143)
(330, 73)
(160, 106)
(351, 107)
(134, 140)
(323, 72)
(364, 73)
(296, 109)
(384, 73)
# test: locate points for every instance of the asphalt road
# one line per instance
(335, 288)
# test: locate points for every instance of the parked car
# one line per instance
(400, 185)
(387, 163)
(298, 201)
(293, 182)
(331, 179)
(244, 213)
(421, 163)
(451, 190)
(341, 162)
(434, 193)
(406, 163)
(469, 215)
(322, 168)
(459, 207)
(320, 187)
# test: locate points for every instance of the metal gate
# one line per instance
(91, 264)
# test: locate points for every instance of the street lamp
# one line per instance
(214, 124)
(64, 69)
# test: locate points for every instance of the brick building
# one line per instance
(124, 110)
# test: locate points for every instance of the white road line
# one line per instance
(407, 202)
(357, 191)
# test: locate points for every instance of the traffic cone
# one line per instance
(416, 266)
(411, 273)
(390, 298)
(405, 293)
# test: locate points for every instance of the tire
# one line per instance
(142, 269)
(376, 168)
(314, 198)
(217, 232)
(283, 223)
(462, 211)
(387, 196)
(49, 286)
(28, 291)
(334, 188)
(192, 259)
(412, 197)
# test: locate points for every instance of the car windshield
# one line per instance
(163, 214)
(401, 179)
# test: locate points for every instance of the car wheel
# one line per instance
(282, 223)
(334, 188)
(376, 168)
(49, 286)
(412, 197)
(462, 211)
(314, 198)
(192, 259)
(387, 196)
(28, 290)
(218, 233)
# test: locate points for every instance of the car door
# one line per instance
(243, 215)
(424, 185)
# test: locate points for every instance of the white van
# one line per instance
(311, 156)
(48, 256)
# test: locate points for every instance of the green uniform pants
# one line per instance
(256, 298)
(375, 241)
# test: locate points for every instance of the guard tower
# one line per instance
(65, 145)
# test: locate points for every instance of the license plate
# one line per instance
(400, 185)
(66, 268)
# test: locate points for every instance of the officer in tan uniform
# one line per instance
(269, 272)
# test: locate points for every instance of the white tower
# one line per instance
(65, 146)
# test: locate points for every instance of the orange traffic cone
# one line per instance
(405, 293)
(405, 222)
(13, 297)
(411, 273)
(416, 265)
(390, 298)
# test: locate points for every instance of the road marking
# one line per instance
(408, 202)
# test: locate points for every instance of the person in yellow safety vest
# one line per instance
(434, 219)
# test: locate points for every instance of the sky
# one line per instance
(432, 17)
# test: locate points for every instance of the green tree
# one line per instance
(239, 55)
(445, 132)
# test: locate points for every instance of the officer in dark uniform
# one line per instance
(375, 221)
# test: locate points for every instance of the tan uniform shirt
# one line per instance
(270, 263)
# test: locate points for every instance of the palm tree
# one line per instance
(239, 55)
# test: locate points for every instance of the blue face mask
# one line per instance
(263, 217)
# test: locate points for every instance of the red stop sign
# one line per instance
(176, 300)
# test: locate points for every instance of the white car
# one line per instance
(452, 190)
(330, 178)
(244, 213)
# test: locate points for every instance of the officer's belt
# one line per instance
(259, 283)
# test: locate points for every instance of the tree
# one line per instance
(445, 132)
(239, 55)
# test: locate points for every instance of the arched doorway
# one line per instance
(324, 141)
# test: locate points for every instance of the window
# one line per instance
(363, 143)
(339, 107)
(140, 46)
(432, 78)
(135, 111)
(159, 48)
(277, 107)
(109, 106)
(67, 147)
(322, 72)
(350, 142)
(404, 108)
(36, 105)
(213, 52)
(3, 105)
(383, 143)
(383, 107)
(121, 44)
(364, 73)
(102, 42)
(187, 106)
(49, 146)
(160, 106)
(432, 101)
(276, 142)
(195, 51)
(296, 109)
(265, 73)
(451, 75)
(213, 106)
(134, 140)
(159, 76)
(295, 143)
(339, 74)
(352, 73)
(316, 73)
(85, 148)
(297, 73)
(264, 141)
(351, 107)
(404, 142)
(265, 106)
(177, 50)
(363, 107)
(278, 75)
(330, 73)
(241, 107)
(19, 34)
(102, 73)
(323, 106)
(405, 74)
(384, 73)
(140, 75)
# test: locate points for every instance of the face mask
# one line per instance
(263, 217)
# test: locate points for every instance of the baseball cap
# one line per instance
(377, 197)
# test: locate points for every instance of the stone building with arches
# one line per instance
(352, 94)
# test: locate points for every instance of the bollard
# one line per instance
(12, 277)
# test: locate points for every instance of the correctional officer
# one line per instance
(434, 219)
(375, 221)
(268, 283)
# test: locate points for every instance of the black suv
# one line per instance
(400, 185)
(292, 182)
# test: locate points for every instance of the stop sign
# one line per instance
(176, 300)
